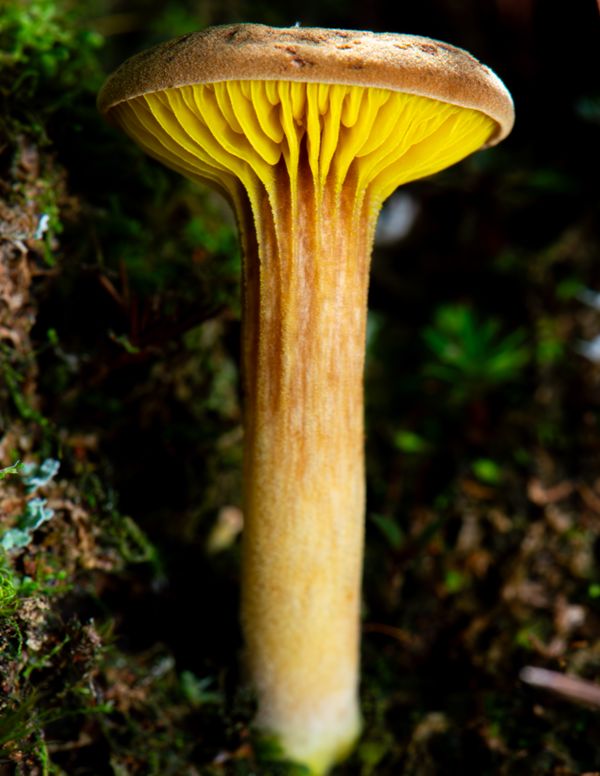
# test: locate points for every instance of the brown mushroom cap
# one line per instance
(402, 63)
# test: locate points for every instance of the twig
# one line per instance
(570, 687)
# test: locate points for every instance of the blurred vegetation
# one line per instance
(120, 420)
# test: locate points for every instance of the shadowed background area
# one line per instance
(119, 358)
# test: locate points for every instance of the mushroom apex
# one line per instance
(245, 51)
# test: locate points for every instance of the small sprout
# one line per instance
(197, 691)
(371, 753)
(487, 471)
(13, 380)
(594, 590)
(527, 636)
(12, 469)
(8, 594)
(570, 288)
(409, 442)
(124, 341)
(455, 581)
(549, 346)
(471, 355)
(390, 530)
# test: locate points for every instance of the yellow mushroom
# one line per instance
(306, 132)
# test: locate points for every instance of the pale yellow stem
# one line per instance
(304, 341)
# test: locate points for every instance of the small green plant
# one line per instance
(487, 471)
(13, 380)
(390, 529)
(411, 443)
(8, 594)
(197, 691)
(550, 345)
(471, 355)
(39, 37)
(7, 471)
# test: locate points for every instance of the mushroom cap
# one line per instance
(401, 63)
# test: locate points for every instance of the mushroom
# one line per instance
(305, 131)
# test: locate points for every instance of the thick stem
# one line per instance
(305, 300)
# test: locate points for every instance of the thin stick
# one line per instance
(570, 687)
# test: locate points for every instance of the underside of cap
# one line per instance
(365, 140)
(402, 63)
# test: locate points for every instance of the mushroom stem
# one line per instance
(305, 297)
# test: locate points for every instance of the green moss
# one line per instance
(8, 594)
(471, 355)
(13, 374)
(37, 40)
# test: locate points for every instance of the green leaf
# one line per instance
(12, 469)
(409, 442)
(594, 590)
(455, 581)
(470, 354)
(390, 529)
(196, 690)
(487, 471)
